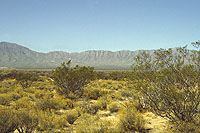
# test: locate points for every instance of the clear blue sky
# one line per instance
(78, 25)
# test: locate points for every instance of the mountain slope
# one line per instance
(16, 56)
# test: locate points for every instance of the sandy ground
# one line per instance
(157, 124)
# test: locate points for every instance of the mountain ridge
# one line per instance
(13, 55)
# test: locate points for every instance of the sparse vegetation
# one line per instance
(82, 100)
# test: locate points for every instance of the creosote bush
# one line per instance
(72, 80)
(169, 81)
(25, 79)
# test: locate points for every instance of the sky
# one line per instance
(79, 25)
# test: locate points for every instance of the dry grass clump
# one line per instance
(114, 107)
(131, 121)
(103, 102)
(71, 116)
(93, 124)
(87, 107)
(93, 93)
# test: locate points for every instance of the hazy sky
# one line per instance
(78, 25)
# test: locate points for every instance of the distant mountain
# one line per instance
(16, 56)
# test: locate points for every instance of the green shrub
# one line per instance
(72, 80)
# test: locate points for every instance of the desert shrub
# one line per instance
(120, 75)
(87, 107)
(93, 93)
(40, 94)
(5, 89)
(62, 102)
(5, 100)
(9, 84)
(24, 102)
(170, 85)
(102, 75)
(114, 107)
(15, 96)
(117, 75)
(94, 108)
(25, 79)
(30, 90)
(69, 103)
(131, 121)
(8, 74)
(27, 122)
(7, 120)
(71, 116)
(46, 121)
(46, 84)
(72, 80)
(61, 123)
(103, 102)
(186, 127)
(47, 103)
(126, 93)
(50, 122)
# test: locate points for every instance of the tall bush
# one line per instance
(169, 81)
(72, 80)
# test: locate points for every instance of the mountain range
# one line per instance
(13, 55)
